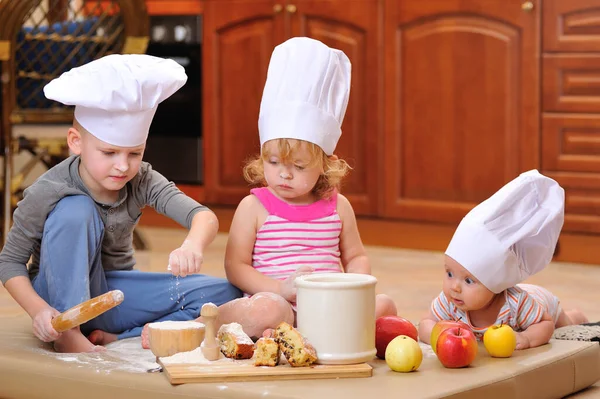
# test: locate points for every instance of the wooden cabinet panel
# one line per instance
(571, 83)
(354, 30)
(239, 37)
(571, 142)
(571, 25)
(571, 156)
(582, 200)
(461, 103)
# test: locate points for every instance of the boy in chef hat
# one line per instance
(297, 223)
(501, 242)
(77, 219)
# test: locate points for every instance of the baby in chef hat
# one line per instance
(499, 243)
(296, 222)
(76, 221)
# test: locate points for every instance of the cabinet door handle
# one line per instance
(277, 8)
(291, 8)
(527, 6)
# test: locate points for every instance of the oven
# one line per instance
(174, 146)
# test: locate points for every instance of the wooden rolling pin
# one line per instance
(87, 310)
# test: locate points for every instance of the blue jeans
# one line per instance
(71, 272)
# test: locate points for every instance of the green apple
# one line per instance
(403, 354)
(500, 340)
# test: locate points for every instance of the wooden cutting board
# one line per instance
(244, 370)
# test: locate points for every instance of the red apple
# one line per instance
(389, 327)
(441, 326)
(456, 347)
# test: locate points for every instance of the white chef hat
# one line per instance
(116, 96)
(511, 235)
(306, 93)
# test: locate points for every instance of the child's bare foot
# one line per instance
(99, 337)
(73, 341)
(145, 337)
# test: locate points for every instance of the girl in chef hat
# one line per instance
(297, 223)
(502, 241)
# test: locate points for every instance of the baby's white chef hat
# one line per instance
(116, 96)
(511, 235)
(306, 93)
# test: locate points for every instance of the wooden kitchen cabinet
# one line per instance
(239, 37)
(450, 100)
(461, 103)
(571, 108)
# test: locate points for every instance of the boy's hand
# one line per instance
(42, 325)
(287, 289)
(186, 259)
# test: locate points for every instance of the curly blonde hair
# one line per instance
(334, 169)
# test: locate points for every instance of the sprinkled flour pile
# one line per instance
(193, 357)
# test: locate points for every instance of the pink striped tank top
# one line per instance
(293, 236)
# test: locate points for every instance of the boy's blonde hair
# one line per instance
(334, 170)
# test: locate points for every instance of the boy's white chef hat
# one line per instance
(306, 93)
(116, 96)
(511, 235)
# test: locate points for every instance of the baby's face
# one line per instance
(462, 289)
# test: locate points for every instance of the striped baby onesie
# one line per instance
(524, 305)
(293, 236)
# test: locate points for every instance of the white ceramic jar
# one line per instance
(336, 313)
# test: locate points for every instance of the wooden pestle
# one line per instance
(87, 310)
(210, 347)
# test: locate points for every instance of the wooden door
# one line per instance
(352, 27)
(461, 103)
(239, 37)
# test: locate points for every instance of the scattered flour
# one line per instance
(123, 355)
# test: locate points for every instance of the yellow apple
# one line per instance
(500, 340)
(403, 354)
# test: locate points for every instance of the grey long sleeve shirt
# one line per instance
(148, 187)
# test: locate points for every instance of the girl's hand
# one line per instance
(186, 259)
(287, 289)
(522, 341)
(42, 325)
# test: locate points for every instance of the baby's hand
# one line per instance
(287, 289)
(42, 325)
(186, 259)
(522, 341)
